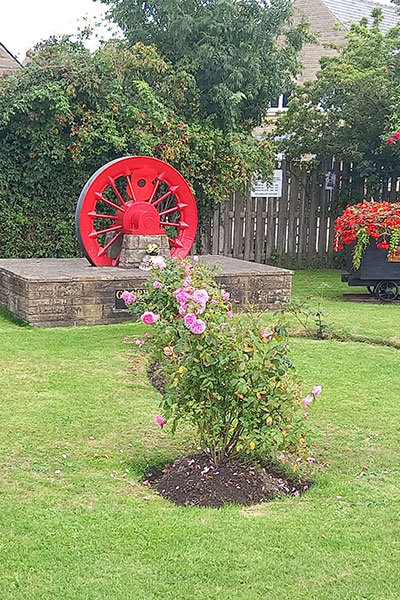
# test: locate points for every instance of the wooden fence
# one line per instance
(297, 229)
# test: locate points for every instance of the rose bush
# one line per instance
(229, 376)
(366, 220)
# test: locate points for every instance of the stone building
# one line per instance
(329, 21)
(9, 65)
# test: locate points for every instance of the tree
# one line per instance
(69, 112)
(348, 111)
(242, 53)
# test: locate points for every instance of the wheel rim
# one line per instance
(387, 291)
(134, 195)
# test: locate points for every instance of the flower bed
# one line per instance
(362, 222)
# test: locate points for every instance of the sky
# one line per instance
(23, 23)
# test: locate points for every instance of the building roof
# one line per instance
(352, 11)
(8, 63)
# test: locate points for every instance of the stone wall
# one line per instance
(69, 292)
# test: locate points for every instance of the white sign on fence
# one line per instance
(261, 189)
(330, 180)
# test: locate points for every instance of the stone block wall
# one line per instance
(68, 292)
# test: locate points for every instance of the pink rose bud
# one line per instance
(157, 285)
(316, 391)
(195, 258)
(307, 400)
(229, 314)
(159, 419)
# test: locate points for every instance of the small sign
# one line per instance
(119, 303)
(330, 180)
(261, 189)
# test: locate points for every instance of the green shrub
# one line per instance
(69, 112)
(227, 375)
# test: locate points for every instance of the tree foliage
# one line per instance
(347, 111)
(242, 53)
(69, 112)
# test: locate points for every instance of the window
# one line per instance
(280, 103)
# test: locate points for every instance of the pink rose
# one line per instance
(157, 285)
(161, 264)
(307, 400)
(396, 136)
(187, 281)
(229, 314)
(195, 258)
(128, 298)
(159, 419)
(181, 296)
(190, 319)
(148, 318)
(197, 327)
(201, 296)
(226, 295)
(317, 389)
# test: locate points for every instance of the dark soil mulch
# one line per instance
(157, 377)
(196, 481)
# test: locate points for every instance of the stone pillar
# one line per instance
(134, 249)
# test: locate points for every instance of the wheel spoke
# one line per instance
(116, 192)
(180, 225)
(175, 242)
(164, 197)
(113, 228)
(131, 188)
(104, 249)
(154, 192)
(94, 215)
(168, 211)
(112, 204)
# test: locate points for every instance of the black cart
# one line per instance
(379, 275)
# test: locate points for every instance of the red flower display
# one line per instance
(366, 220)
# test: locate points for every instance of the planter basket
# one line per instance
(378, 273)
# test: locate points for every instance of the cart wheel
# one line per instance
(371, 289)
(387, 291)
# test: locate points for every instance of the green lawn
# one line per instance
(80, 534)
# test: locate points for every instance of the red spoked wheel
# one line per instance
(135, 195)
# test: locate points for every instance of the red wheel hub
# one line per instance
(136, 195)
(142, 218)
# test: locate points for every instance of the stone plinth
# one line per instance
(55, 292)
(134, 249)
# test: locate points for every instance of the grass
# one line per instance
(78, 534)
(351, 318)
